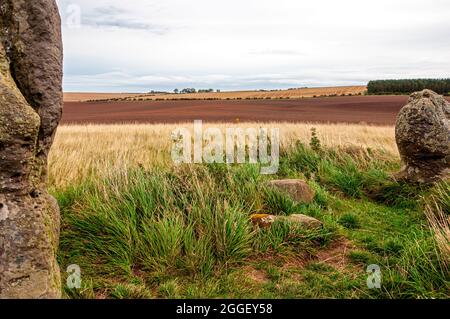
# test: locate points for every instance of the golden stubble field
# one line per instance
(285, 94)
(85, 96)
(84, 151)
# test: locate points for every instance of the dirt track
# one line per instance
(381, 110)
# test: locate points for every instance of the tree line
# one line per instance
(193, 90)
(408, 86)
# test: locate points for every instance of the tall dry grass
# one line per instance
(437, 211)
(83, 151)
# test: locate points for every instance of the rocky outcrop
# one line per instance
(297, 189)
(423, 138)
(30, 110)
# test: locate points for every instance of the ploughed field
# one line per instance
(380, 110)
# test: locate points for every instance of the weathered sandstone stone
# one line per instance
(297, 189)
(30, 110)
(303, 221)
(423, 138)
(266, 220)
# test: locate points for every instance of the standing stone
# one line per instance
(423, 138)
(30, 111)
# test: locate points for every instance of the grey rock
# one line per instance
(423, 138)
(30, 111)
(267, 220)
(297, 189)
(303, 221)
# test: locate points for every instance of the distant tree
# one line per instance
(218, 91)
(205, 91)
(189, 90)
(176, 91)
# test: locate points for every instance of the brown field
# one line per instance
(379, 110)
(286, 94)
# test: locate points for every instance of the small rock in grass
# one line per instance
(266, 220)
(263, 220)
(303, 220)
(297, 189)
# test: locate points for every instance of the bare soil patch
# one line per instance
(255, 275)
(336, 254)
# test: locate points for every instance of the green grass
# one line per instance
(186, 232)
(349, 221)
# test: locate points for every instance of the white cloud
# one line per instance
(141, 45)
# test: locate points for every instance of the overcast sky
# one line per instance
(143, 45)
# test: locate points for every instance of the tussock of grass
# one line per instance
(279, 203)
(349, 220)
(156, 221)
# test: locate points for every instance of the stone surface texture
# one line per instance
(297, 189)
(423, 138)
(30, 111)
